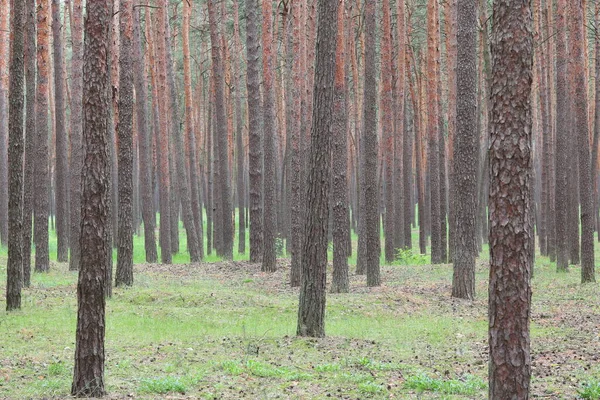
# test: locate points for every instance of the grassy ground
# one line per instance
(226, 330)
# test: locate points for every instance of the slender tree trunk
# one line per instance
(41, 174)
(62, 157)
(254, 130)
(269, 203)
(221, 121)
(239, 134)
(4, 56)
(16, 107)
(30, 58)
(450, 11)
(144, 140)
(577, 11)
(311, 312)
(596, 122)
(510, 207)
(400, 219)
(124, 274)
(371, 186)
(466, 151)
(88, 376)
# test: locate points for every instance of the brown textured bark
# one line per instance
(450, 12)
(269, 128)
(387, 130)
(596, 121)
(145, 142)
(466, 149)
(16, 107)
(221, 123)
(239, 132)
(510, 180)
(62, 155)
(124, 273)
(163, 141)
(4, 49)
(254, 130)
(76, 133)
(562, 255)
(577, 30)
(41, 174)
(433, 132)
(311, 311)
(88, 376)
(371, 186)
(399, 72)
(341, 220)
(30, 58)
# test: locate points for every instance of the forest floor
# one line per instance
(227, 331)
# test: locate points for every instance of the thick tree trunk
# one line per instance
(16, 107)
(270, 196)
(254, 130)
(29, 162)
(145, 142)
(62, 140)
(221, 123)
(124, 274)
(510, 207)
(88, 377)
(41, 205)
(466, 149)
(311, 312)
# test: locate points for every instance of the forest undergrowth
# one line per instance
(227, 330)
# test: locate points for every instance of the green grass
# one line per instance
(469, 385)
(590, 390)
(162, 386)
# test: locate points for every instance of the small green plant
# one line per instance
(327, 367)
(232, 367)
(162, 386)
(590, 390)
(57, 369)
(469, 385)
(408, 257)
(370, 387)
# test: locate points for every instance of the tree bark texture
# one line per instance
(88, 376)
(509, 201)
(311, 312)
(4, 56)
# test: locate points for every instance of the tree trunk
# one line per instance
(29, 162)
(88, 376)
(254, 130)
(4, 56)
(450, 10)
(509, 201)
(269, 193)
(16, 106)
(311, 312)
(41, 205)
(124, 274)
(221, 123)
(466, 149)
(577, 30)
(62, 155)
(239, 134)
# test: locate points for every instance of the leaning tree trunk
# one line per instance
(88, 376)
(510, 208)
(16, 106)
(311, 312)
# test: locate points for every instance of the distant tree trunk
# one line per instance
(221, 121)
(16, 106)
(4, 56)
(254, 130)
(596, 121)
(145, 142)
(62, 155)
(562, 110)
(450, 11)
(466, 150)
(432, 133)
(341, 220)
(387, 130)
(509, 201)
(371, 186)
(190, 140)
(41, 205)
(29, 162)
(577, 30)
(124, 274)
(311, 312)
(163, 141)
(400, 219)
(239, 134)
(270, 210)
(296, 161)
